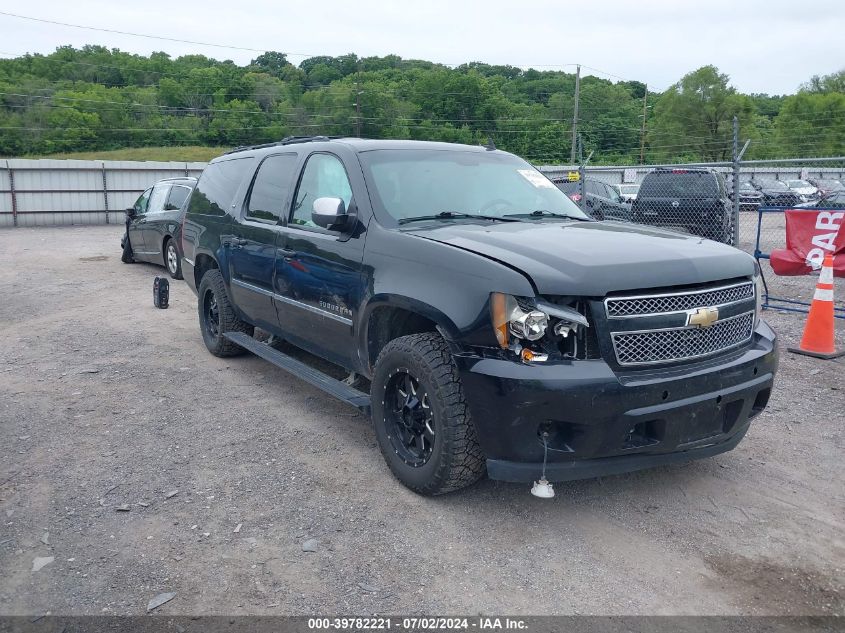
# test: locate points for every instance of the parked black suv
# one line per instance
(497, 324)
(690, 198)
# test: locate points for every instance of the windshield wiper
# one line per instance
(449, 215)
(543, 213)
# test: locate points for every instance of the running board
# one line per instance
(331, 386)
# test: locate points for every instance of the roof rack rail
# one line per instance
(288, 140)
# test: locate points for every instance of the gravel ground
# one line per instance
(139, 464)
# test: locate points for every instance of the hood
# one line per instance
(595, 258)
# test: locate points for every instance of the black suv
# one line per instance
(499, 327)
(689, 198)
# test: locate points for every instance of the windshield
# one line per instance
(798, 183)
(424, 183)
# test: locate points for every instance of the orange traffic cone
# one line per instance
(818, 339)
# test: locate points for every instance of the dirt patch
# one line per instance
(774, 587)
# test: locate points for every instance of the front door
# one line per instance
(252, 246)
(136, 222)
(318, 274)
(149, 227)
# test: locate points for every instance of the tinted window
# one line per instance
(177, 197)
(142, 201)
(323, 177)
(158, 198)
(680, 184)
(217, 186)
(270, 189)
(595, 188)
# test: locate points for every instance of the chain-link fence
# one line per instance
(738, 202)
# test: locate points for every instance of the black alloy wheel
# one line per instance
(410, 419)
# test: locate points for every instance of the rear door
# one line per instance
(254, 239)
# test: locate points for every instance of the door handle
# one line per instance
(238, 242)
(286, 253)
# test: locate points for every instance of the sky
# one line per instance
(764, 46)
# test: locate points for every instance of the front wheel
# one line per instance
(217, 316)
(171, 259)
(126, 257)
(421, 419)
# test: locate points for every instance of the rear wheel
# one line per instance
(217, 316)
(422, 422)
(171, 259)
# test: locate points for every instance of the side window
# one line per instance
(271, 188)
(323, 177)
(141, 203)
(594, 188)
(177, 197)
(218, 185)
(158, 197)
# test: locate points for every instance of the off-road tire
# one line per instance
(219, 345)
(456, 460)
(126, 257)
(169, 244)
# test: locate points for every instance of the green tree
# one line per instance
(694, 117)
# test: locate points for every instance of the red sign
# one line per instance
(810, 235)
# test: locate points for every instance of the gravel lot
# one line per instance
(108, 404)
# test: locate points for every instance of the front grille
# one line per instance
(678, 302)
(677, 344)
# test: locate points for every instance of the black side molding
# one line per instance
(331, 386)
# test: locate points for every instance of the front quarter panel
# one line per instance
(447, 284)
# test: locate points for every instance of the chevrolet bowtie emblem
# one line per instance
(703, 317)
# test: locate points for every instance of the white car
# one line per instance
(628, 191)
(803, 188)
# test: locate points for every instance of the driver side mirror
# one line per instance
(330, 213)
(130, 212)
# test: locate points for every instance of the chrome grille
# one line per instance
(676, 344)
(678, 302)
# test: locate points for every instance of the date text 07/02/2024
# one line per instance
(417, 623)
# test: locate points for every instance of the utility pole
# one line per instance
(575, 114)
(642, 132)
(357, 111)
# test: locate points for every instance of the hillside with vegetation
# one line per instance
(84, 102)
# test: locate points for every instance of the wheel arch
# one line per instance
(389, 316)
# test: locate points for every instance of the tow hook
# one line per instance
(542, 488)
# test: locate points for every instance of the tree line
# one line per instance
(95, 98)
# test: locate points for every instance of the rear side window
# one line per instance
(680, 184)
(177, 197)
(271, 188)
(217, 186)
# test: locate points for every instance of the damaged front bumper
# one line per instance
(600, 422)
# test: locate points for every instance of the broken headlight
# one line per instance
(517, 321)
